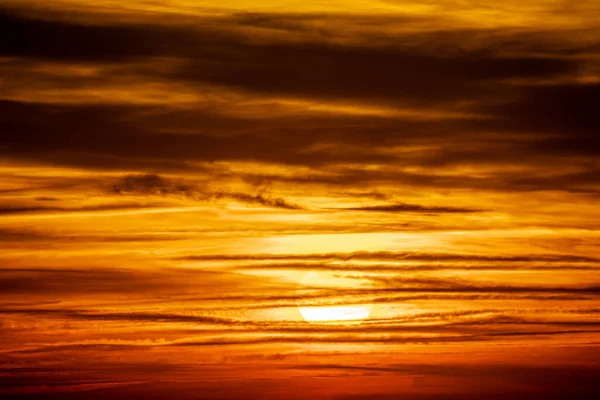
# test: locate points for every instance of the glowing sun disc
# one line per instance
(341, 313)
(310, 313)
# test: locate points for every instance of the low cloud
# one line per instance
(156, 185)
(413, 208)
(17, 210)
(394, 256)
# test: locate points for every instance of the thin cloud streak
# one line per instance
(152, 184)
(412, 208)
(394, 256)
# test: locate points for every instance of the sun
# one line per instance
(341, 313)
(317, 313)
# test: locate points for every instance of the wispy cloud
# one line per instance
(395, 256)
(54, 210)
(402, 207)
(151, 184)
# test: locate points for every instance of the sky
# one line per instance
(285, 199)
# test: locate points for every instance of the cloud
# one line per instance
(371, 195)
(152, 184)
(399, 267)
(276, 202)
(84, 281)
(395, 256)
(403, 207)
(46, 198)
(501, 81)
(280, 339)
(441, 286)
(75, 387)
(417, 118)
(490, 321)
(31, 235)
(17, 210)
(126, 316)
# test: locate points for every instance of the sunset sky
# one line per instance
(298, 199)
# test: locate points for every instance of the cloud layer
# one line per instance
(181, 180)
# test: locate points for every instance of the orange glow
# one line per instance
(292, 200)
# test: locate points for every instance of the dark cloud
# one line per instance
(126, 316)
(429, 380)
(303, 339)
(442, 286)
(370, 195)
(9, 235)
(152, 184)
(45, 36)
(564, 113)
(397, 256)
(292, 299)
(46, 198)
(223, 55)
(262, 199)
(385, 74)
(115, 139)
(466, 323)
(524, 123)
(416, 208)
(99, 208)
(52, 282)
(362, 297)
(13, 236)
(400, 267)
